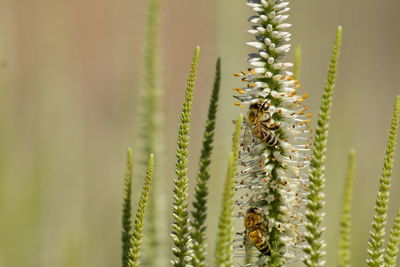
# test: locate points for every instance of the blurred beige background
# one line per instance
(70, 73)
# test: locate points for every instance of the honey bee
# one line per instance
(256, 229)
(261, 124)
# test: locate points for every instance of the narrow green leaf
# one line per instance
(136, 240)
(224, 243)
(201, 191)
(392, 248)
(181, 225)
(376, 242)
(126, 210)
(315, 249)
(345, 221)
(297, 62)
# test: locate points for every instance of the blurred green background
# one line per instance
(70, 73)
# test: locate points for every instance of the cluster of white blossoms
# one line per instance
(276, 140)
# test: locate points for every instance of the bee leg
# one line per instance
(264, 107)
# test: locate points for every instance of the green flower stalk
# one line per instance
(276, 141)
(392, 248)
(345, 221)
(151, 140)
(376, 242)
(181, 225)
(136, 240)
(316, 199)
(150, 92)
(201, 191)
(126, 210)
(224, 243)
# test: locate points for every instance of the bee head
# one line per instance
(253, 210)
(255, 106)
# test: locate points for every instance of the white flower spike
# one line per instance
(276, 142)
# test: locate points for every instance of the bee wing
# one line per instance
(247, 136)
(247, 242)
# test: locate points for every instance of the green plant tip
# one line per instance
(201, 191)
(137, 230)
(180, 233)
(376, 249)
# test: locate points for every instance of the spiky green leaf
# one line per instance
(181, 225)
(126, 209)
(201, 191)
(137, 229)
(376, 242)
(392, 248)
(315, 249)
